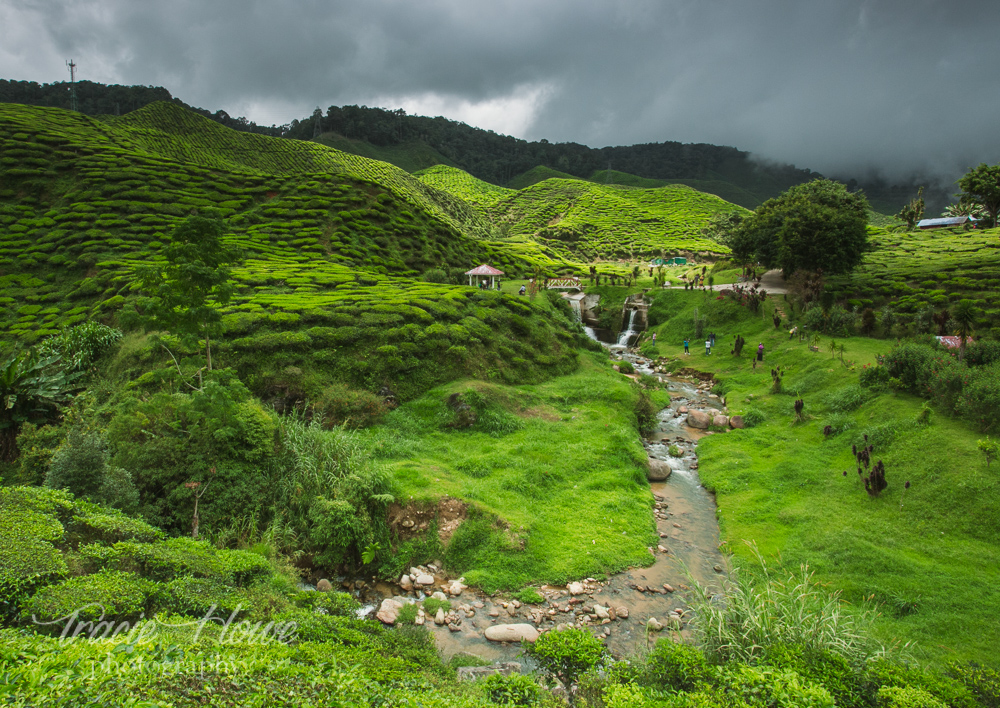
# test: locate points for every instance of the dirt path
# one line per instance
(771, 281)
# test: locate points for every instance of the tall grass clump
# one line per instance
(327, 488)
(771, 610)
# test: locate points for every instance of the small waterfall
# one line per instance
(578, 316)
(624, 337)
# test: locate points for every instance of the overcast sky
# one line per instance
(838, 86)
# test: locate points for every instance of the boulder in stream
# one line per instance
(511, 633)
(698, 419)
(389, 611)
(658, 470)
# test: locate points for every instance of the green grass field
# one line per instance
(933, 565)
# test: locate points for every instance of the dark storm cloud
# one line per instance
(840, 87)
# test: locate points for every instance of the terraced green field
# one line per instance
(929, 270)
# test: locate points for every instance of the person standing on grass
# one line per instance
(760, 352)
(712, 337)
(686, 348)
(708, 347)
(654, 337)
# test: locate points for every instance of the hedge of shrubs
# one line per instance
(968, 386)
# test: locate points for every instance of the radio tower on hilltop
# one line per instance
(72, 84)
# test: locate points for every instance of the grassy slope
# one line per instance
(560, 462)
(929, 268)
(933, 565)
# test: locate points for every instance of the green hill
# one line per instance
(332, 244)
(582, 221)
(590, 222)
(536, 175)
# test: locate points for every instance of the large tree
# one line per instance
(982, 185)
(183, 293)
(817, 226)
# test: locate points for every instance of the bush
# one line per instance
(196, 597)
(981, 681)
(513, 690)
(982, 352)
(435, 275)
(907, 697)
(874, 377)
(180, 557)
(28, 556)
(108, 595)
(758, 685)
(980, 399)
(566, 654)
(92, 522)
(338, 405)
(679, 667)
(946, 379)
(910, 364)
(626, 367)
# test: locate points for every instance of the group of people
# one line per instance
(710, 342)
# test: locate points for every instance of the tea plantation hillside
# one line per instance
(331, 245)
(582, 221)
(917, 275)
(588, 222)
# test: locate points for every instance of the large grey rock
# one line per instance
(406, 582)
(575, 588)
(511, 633)
(737, 421)
(389, 611)
(424, 579)
(721, 421)
(658, 470)
(699, 419)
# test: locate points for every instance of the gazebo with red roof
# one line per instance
(484, 270)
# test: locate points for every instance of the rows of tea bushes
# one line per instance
(928, 271)
(587, 222)
(591, 222)
(80, 199)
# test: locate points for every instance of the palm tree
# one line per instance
(31, 390)
(964, 316)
